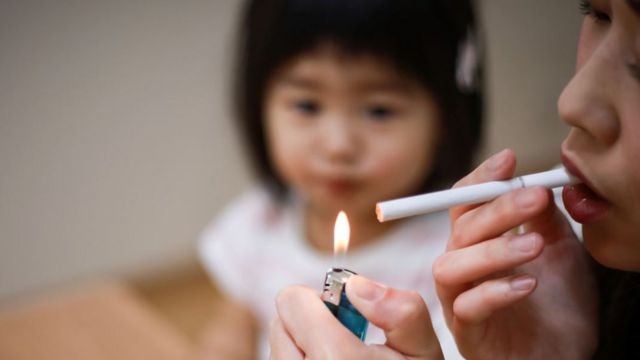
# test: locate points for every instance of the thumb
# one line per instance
(402, 315)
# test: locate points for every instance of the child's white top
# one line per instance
(256, 248)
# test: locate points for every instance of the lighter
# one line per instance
(335, 297)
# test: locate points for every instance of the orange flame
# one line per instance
(341, 234)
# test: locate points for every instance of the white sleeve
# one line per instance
(227, 246)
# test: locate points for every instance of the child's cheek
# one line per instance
(408, 150)
(400, 172)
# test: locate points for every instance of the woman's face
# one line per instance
(602, 105)
(348, 131)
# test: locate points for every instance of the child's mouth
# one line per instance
(340, 187)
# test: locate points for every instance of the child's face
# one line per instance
(349, 131)
(602, 106)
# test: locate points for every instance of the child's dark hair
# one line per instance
(421, 38)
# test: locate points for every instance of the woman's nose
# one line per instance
(587, 101)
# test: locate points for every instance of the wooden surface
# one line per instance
(107, 321)
(184, 296)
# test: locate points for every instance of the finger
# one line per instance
(282, 346)
(499, 216)
(455, 271)
(402, 315)
(475, 262)
(312, 327)
(500, 166)
(475, 306)
(551, 223)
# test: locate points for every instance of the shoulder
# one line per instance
(241, 224)
(233, 242)
(253, 209)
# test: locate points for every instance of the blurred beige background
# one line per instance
(116, 143)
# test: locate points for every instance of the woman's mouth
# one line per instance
(581, 201)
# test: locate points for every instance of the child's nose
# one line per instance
(586, 102)
(339, 139)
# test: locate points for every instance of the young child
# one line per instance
(343, 104)
(532, 295)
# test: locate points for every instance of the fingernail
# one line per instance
(366, 289)
(525, 243)
(496, 161)
(522, 283)
(525, 198)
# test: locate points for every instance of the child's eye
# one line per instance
(379, 112)
(635, 70)
(588, 10)
(308, 107)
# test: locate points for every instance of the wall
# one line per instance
(531, 48)
(116, 146)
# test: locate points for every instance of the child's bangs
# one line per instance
(383, 28)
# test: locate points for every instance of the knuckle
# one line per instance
(415, 306)
(443, 270)
(460, 235)
(495, 251)
(505, 206)
(287, 295)
(457, 232)
(438, 269)
(410, 309)
(485, 293)
(460, 311)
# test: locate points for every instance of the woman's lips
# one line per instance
(582, 203)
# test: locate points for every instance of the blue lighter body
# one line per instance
(335, 297)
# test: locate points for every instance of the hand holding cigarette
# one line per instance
(507, 295)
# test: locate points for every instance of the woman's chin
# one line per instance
(612, 248)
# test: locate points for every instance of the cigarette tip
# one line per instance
(379, 214)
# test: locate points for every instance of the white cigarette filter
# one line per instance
(477, 193)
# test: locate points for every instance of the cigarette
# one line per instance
(477, 193)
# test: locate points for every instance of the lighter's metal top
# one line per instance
(334, 282)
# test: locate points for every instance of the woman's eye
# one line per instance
(308, 107)
(380, 112)
(588, 10)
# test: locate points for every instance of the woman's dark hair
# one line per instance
(619, 330)
(421, 38)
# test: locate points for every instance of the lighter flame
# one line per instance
(341, 234)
